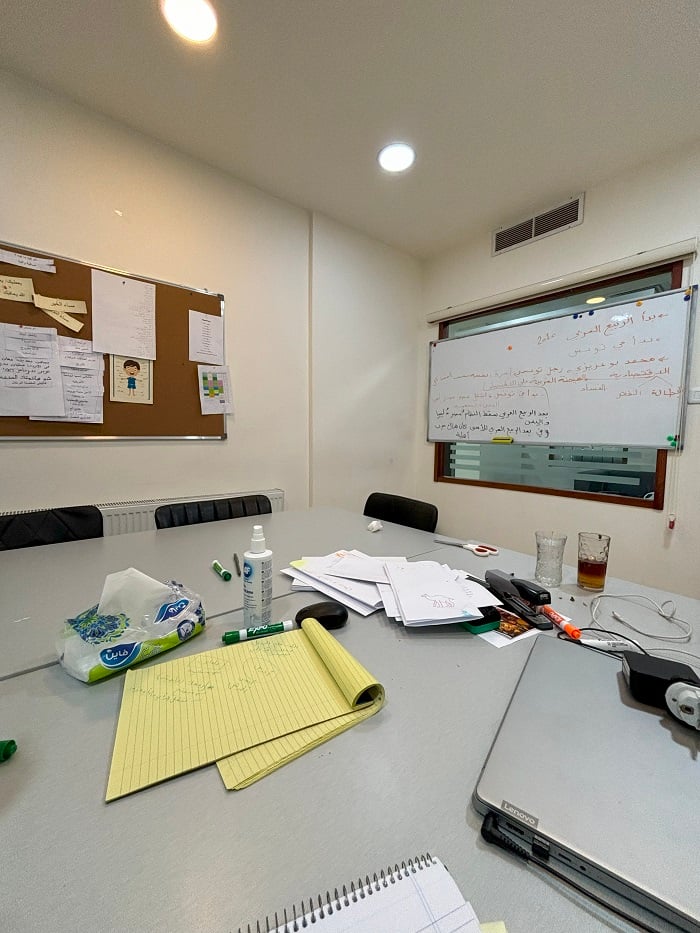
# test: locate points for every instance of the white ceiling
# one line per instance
(512, 105)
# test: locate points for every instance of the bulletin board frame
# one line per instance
(175, 413)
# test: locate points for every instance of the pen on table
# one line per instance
(237, 564)
(217, 568)
(257, 631)
(560, 621)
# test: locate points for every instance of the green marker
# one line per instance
(7, 748)
(224, 574)
(258, 631)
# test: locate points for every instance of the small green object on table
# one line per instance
(7, 748)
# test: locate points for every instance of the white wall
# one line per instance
(656, 205)
(363, 380)
(67, 170)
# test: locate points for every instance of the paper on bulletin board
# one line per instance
(40, 263)
(214, 390)
(123, 315)
(130, 380)
(16, 288)
(206, 332)
(69, 305)
(30, 371)
(83, 385)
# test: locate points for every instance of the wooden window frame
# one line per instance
(441, 448)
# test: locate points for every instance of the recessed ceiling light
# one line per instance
(396, 157)
(194, 20)
(595, 301)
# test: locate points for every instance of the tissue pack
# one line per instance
(104, 639)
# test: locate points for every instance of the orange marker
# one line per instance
(560, 621)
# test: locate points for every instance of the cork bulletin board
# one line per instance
(175, 412)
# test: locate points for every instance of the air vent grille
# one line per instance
(513, 236)
(548, 222)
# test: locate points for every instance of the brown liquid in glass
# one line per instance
(591, 574)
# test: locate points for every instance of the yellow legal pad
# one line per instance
(250, 707)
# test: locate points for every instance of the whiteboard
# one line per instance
(612, 375)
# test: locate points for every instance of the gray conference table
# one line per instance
(42, 586)
(189, 856)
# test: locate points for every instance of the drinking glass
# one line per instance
(550, 557)
(593, 550)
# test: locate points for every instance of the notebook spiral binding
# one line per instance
(311, 914)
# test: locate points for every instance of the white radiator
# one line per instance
(123, 517)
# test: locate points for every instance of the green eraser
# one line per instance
(7, 748)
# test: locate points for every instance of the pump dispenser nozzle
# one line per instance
(257, 542)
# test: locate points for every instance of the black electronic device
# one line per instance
(649, 678)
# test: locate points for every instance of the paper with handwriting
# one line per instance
(192, 711)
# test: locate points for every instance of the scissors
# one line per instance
(483, 550)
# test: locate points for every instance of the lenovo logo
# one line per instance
(520, 814)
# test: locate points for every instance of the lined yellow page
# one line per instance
(359, 687)
(194, 710)
(246, 767)
(354, 680)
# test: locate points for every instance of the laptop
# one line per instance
(597, 788)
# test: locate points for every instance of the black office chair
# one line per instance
(402, 511)
(210, 510)
(50, 526)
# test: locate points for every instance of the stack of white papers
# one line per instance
(428, 593)
(420, 593)
(314, 572)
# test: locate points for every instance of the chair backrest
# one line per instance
(50, 526)
(402, 511)
(210, 510)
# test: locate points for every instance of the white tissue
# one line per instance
(375, 526)
(134, 593)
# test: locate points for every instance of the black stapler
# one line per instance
(513, 598)
(532, 592)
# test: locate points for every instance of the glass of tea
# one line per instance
(593, 550)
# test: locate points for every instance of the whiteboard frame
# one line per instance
(676, 445)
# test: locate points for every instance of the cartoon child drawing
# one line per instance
(131, 368)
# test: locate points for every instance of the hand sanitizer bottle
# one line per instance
(257, 581)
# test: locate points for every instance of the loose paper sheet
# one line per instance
(123, 315)
(30, 372)
(246, 767)
(14, 288)
(83, 384)
(40, 263)
(195, 710)
(69, 305)
(214, 390)
(206, 338)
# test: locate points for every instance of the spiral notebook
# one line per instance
(415, 897)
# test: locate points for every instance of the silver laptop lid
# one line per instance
(606, 789)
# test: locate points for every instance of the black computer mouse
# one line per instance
(329, 614)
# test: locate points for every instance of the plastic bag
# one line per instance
(94, 645)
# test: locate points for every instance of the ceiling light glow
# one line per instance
(194, 20)
(396, 157)
(596, 300)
